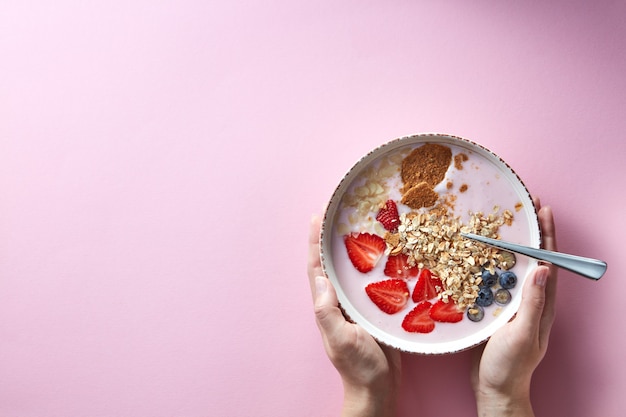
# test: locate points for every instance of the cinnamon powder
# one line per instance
(459, 159)
(428, 164)
(421, 171)
(421, 195)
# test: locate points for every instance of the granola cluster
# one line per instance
(432, 240)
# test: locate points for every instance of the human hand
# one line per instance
(370, 372)
(502, 369)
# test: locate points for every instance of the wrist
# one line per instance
(500, 404)
(368, 402)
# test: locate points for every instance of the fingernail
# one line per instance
(320, 285)
(541, 277)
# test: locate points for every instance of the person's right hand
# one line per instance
(369, 371)
(502, 369)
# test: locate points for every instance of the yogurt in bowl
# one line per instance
(391, 244)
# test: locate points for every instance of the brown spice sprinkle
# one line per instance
(463, 188)
(421, 171)
(459, 159)
(428, 163)
(421, 195)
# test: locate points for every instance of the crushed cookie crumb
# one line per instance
(421, 171)
(421, 195)
(428, 163)
(459, 159)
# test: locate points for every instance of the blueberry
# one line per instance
(502, 296)
(485, 297)
(508, 280)
(488, 279)
(475, 313)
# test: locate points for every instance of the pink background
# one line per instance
(160, 161)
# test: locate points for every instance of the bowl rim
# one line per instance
(352, 315)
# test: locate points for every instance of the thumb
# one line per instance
(533, 301)
(327, 313)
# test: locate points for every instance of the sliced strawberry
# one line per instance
(397, 266)
(390, 296)
(364, 250)
(388, 216)
(418, 320)
(446, 312)
(427, 287)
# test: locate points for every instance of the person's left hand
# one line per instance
(370, 372)
(502, 368)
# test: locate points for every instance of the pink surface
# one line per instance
(159, 163)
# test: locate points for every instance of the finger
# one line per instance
(314, 265)
(548, 230)
(328, 316)
(531, 309)
(549, 311)
(537, 203)
(546, 219)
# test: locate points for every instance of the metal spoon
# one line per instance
(587, 267)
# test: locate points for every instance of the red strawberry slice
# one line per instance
(388, 216)
(418, 320)
(397, 266)
(446, 312)
(427, 287)
(364, 250)
(390, 296)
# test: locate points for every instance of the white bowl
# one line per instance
(491, 182)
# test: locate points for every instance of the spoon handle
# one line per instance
(587, 267)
